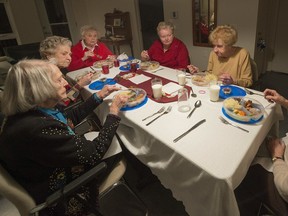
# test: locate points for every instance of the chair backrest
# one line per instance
(114, 176)
(15, 193)
(254, 68)
(30, 51)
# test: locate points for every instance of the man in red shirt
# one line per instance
(88, 50)
(168, 50)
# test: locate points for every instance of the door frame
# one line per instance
(266, 30)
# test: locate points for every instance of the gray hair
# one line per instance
(86, 28)
(28, 84)
(165, 25)
(49, 45)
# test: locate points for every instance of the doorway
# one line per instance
(151, 13)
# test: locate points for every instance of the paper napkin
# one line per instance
(139, 79)
(171, 88)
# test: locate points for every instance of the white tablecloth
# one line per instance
(203, 168)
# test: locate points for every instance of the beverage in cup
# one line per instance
(116, 63)
(133, 67)
(214, 90)
(181, 76)
(105, 69)
(156, 85)
(183, 100)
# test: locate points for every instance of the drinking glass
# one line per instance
(214, 90)
(183, 100)
(181, 76)
(105, 69)
(156, 85)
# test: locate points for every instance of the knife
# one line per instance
(188, 131)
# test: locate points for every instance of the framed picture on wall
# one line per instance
(117, 22)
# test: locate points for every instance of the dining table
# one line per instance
(203, 168)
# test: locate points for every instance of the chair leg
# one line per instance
(126, 185)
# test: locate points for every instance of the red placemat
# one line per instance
(147, 85)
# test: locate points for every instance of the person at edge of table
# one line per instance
(231, 64)
(57, 50)
(37, 146)
(168, 50)
(88, 50)
(270, 188)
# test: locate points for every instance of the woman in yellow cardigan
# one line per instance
(230, 63)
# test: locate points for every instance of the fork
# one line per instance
(166, 111)
(226, 122)
(251, 92)
(159, 111)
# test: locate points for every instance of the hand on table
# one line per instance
(272, 95)
(107, 90)
(85, 80)
(193, 69)
(118, 102)
(226, 79)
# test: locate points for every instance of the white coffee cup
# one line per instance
(156, 85)
(214, 90)
(181, 78)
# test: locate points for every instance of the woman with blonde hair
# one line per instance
(89, 49)
(38, 147)
(230, 63)
(168, 50)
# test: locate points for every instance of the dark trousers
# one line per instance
(258, 188)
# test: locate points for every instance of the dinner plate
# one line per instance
(243, 109)
(126, 68)
(149, 65)
(136, 96)
(251, 121)
(127, 108)
(98, 85)
(235, 91)
(100, 63)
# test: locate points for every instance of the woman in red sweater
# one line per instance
(88, 50)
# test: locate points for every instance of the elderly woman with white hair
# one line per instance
(168, 50)
(37, 145)
(57, 50)
(88, 50)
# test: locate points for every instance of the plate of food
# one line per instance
(136, 96)
(202, 79)
(149, 65)
(231, 91)
(243, 109)
(100, 63)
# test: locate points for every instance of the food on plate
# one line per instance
(243, 109)
(128, 76)
(100, 63)
(136, 96)
(202, 79)
(227, 90)
(149, 65)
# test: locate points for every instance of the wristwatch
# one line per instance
(276, 158)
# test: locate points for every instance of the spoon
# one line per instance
(196, 105)
(193, 94)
